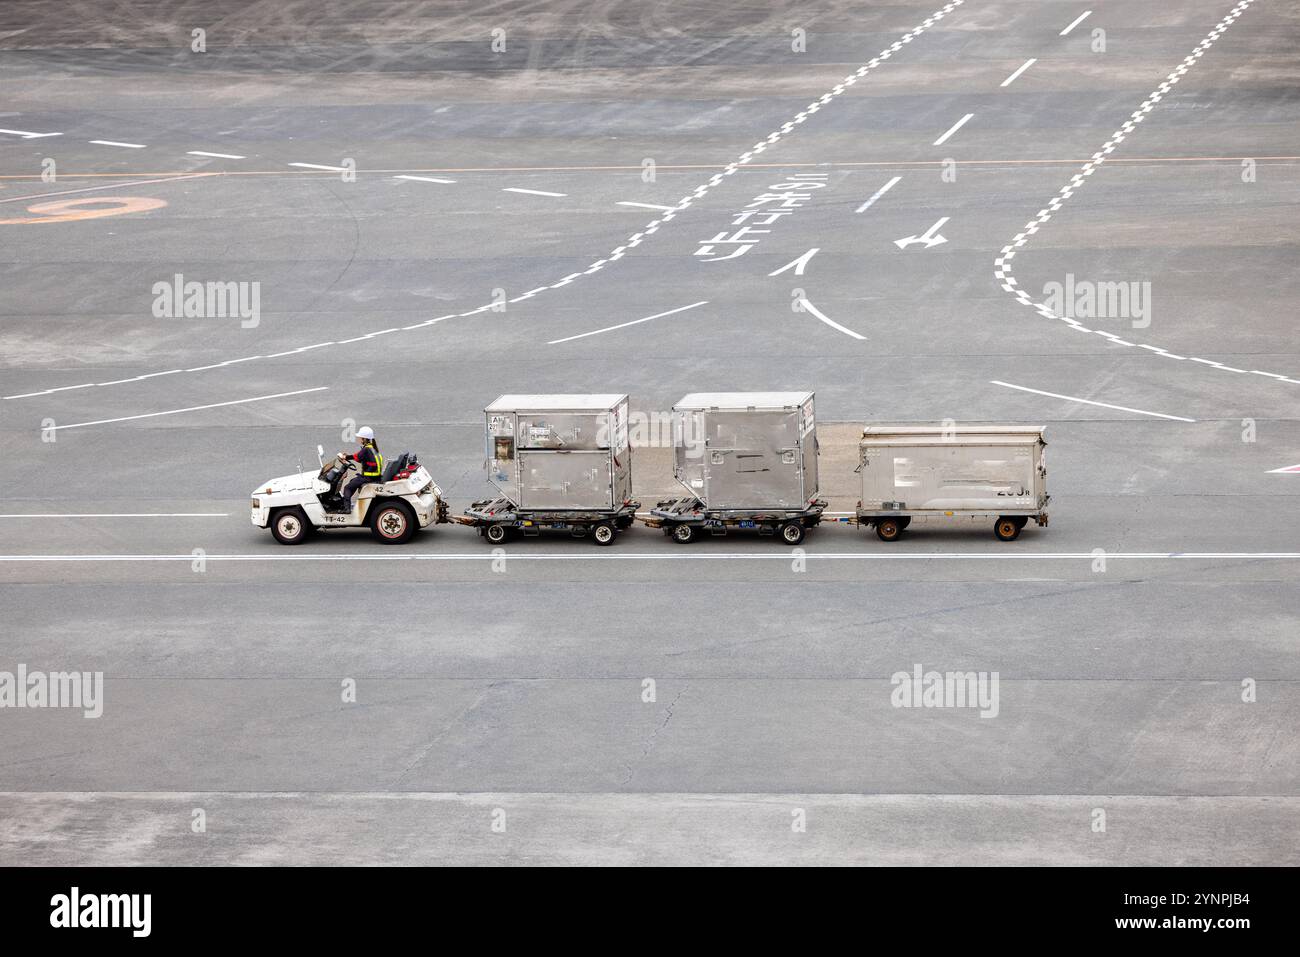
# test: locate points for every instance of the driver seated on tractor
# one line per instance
(368, 459)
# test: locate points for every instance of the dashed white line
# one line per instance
(1025, 66)
(125, 146)
(955, 127)
(1083, 16)
(424, 179)
(332, 169)
(624, 325)
(645, 206)
(878, 193)
(830, 322)
(224, 156)
(1002, 264)
(1104, 405)
(29, 136)
(193, 408)
(531, 192)
(744, 159)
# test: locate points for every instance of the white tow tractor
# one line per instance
(402, 502)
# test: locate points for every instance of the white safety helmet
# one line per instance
(366, 432)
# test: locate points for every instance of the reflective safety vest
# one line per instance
(377, 469)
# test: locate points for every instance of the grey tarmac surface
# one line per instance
(1125, 634)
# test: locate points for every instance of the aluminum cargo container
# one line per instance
(970, 471)
(747, 450)
(560, 452)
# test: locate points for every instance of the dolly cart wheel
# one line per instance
(1006, 529)
(683, 534)
(496, 533)
(889, 529)
(792, 533)
(602, 533)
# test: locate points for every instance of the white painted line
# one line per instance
(742, 161)
(62, 388)
(224, 156)
(624, 325)
(879, 193)
(955, 127)
(1104, 405)
(1292, 469)
(892, 554)
(117, 515)
(332, 169)
(1083, 16)
(92, 189)
(1012, 78)
(425, 179)
(667, 209)
(830, 322)
(29, 136)
(193, 408)
(531, 192)
(125, 146)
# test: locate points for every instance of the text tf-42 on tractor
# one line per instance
(394, 509)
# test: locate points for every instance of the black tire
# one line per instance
(792, 533)
(496, 533)
(393, 522)
(290, 526)
(683, 534)
(889, 529)
(904, 521)
(602, 533)
(1021, 521)
(1006, 529)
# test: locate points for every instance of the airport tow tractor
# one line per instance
(404, 501)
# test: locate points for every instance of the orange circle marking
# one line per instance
(72, 210)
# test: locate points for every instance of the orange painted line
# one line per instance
(668, 166)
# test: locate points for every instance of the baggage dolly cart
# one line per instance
(499, 519)
(686, 519)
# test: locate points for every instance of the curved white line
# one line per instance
(830, 322)
(685, 202)
(1001, 265)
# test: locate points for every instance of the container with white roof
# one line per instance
(747, 460)
(561, 462)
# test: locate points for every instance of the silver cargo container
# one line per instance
(747, 450)
(954, 471)
(560, 452)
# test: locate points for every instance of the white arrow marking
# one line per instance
(1294, 469)
(798, 264)
(878, 193)
(29, 136)
(928, 237)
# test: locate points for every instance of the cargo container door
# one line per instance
(566, 480)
